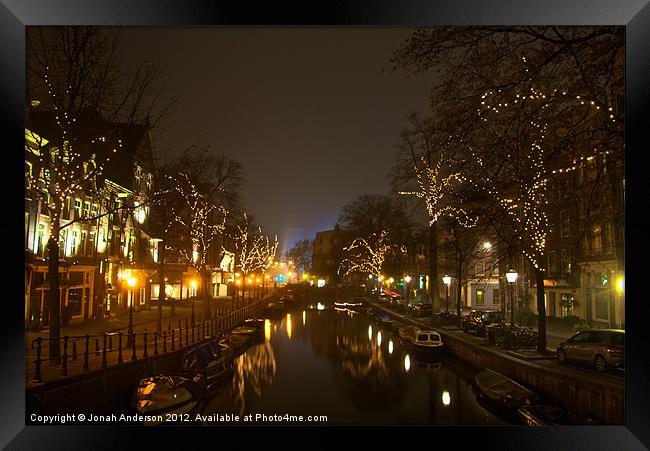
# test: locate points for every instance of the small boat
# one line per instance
(256, 323)
(549, 414)
(407, 333)
(244, 330)
(158, 396)
(212, 360)
(390, 323)
(275, 307)
(504, 392)
(237, 342)
(427, 340)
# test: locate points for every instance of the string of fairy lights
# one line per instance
(199, 221)
(367, 256)
(255, 252)
(64, 172)
(529, 209)
(434, 187)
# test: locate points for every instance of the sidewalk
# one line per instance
(144, 320)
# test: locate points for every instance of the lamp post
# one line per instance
(132, 281)
(407, 281)
(511, 277)
(193, 285)
(620, 290)
(447, 281)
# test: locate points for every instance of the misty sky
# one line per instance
(308, 111)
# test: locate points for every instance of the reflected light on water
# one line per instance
(390, 346)
(304, 316)
(370, 332)
(407, 363)
(446, 398)
(378, 338)
(289, 325)
(267, 329)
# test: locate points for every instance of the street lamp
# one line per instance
(193, 285)
(132, 281)
(447, 281)
(511, 277)
(407, 280)
(620, 290)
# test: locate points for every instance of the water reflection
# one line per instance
(336, 366)
(252, 371)
(289, 325)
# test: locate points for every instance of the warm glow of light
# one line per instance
(267, 329)
(238, 282)
(407, 279)
(446, 280)
(289, 325)
(378, 338)
(193, 283)
(620, 285)
(487, 245)
(304, 317)
(390, 346)
(446, 398)
(391, 280)
(370, 332)
(304, 276)
(407, 363)
(320, 306)
(511, 276)
(258, 280)
(369, 276)
(321, 283)
(132, 281)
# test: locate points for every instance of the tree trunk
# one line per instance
(161, 286)
(433, 268)
(205, 273)
(55, 304)
(541, 312)
(458, 291)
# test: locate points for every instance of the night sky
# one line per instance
(308, 112)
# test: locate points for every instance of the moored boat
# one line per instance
(549, 414)
(212, 360)
(427, 341)
(504, 392)
(237, 342)
(407, 333)
(167, 396)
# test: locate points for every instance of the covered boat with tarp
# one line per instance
(157, 396)
(212, 360)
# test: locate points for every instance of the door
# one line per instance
(574, 348)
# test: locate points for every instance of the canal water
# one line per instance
(318, 360)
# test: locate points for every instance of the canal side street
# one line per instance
(578, 388)
(143, 320)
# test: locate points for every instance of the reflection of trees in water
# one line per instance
(252, 371)
(367, 374)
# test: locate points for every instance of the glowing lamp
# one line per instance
(132, 281)
(511, 276)
(446, 280)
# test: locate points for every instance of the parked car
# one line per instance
(604, 348)
(478, 320)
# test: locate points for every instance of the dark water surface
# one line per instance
(342, 364)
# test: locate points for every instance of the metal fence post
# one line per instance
(85, 368)
(64, 368)
(104, 352)
(145, 354)
(37, 374)
(155, 343)
(119, 349)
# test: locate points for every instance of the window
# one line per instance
(86, 209)
(596, 241)
(565, 224)
(567, 302)
(496, 296)
(77, 208)
(552, 262)
(579, 337)
(39, 248)
(480, 297)
(595, 337)
(566, 262)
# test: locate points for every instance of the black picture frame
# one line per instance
(633, 14)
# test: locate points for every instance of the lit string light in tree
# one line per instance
(435, 187)
(199, 221)
(528, 209)
(63, 172)
(367, 256)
